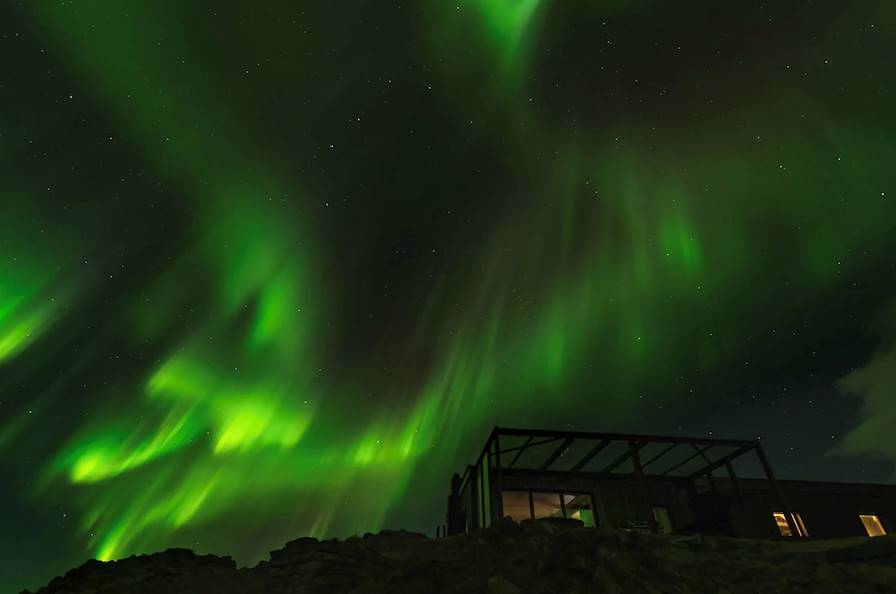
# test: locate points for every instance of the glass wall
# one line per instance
(579, 507)
(486, 494)
(547, 505)
(525, 505)
(465, 505)
(516, 505)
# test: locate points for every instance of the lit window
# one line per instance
(579, 507)
(873, 525)
(781, 521)
(516, 505)
(784, 527)
(547, 505)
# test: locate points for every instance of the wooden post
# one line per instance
(645, 494)
(776, 489)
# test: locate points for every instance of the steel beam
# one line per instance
(557, 453)
(660, 455)
(624, 457)
(776, 488)
(519, 452)
(590, 455)
(686, 460)
(722, 461)
(620, 436)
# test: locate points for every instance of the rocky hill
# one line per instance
(535, 557)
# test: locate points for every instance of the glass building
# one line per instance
(655, 483)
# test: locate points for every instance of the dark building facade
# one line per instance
(667, 484)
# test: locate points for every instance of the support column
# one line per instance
(474, 499)
(735, 484)
(600, 514)
(482, 491)
(498, 512)
(776, 489)
(712, 480)
(645, 494)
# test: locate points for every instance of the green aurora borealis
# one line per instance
(275, 270)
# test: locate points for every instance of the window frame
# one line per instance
(800, 524)
(532, 491)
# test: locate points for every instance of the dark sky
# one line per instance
(272, 269)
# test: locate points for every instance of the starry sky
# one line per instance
(275, 269)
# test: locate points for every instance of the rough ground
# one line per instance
(536, 557)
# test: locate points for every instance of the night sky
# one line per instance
(275, 269)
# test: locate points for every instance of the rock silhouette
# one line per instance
(538, 557)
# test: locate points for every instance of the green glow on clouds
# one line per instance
(624, 238)
(27, 307)
(507, 19)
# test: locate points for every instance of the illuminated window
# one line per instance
(872, 524)
(579, 507)
(547, 505)
(524, 505)
(784, 527)
(781, 521)
(516, 505)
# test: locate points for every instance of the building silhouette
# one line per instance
(656, 483)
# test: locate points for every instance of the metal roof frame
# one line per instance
(634, 443)
(702, 446)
